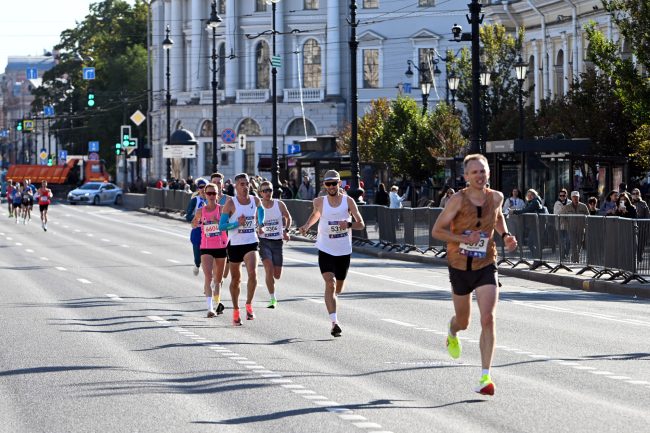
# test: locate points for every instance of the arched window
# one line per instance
(222, 67)
(206, 129)
(262, 66)
(249, 127)
(312, 70)
(297, 127)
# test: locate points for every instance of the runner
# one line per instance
(196, 202)
(217, 179)
(275, 231)
(213, 244)
(28, 201)
(8, 196)
(238, 217)
(334, 240)
(467, 224)
(44, 195)
(17, 200)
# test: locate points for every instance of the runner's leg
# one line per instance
(486, 297)
(463, 311)
(250, 260)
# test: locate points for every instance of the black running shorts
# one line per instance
(217, 253)
(236, 253)
(465, 282)
(337, 265)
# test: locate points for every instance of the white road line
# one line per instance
(366, 425)
(397, 322)
(90, 235)
(600, 373)
(29, 251)
(173, 261)
(61, 268)
(83, 281)
(44, 258)
(9, 239)
(105, 240)
(19, 244)
(145, 252)
(124, 246)
(117, 298)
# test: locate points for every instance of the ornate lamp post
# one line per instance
(521, 70)
(213, 23)
(275, 170)
(425, 80)
(452, 84)
(167, 46)
(354, 192)
(486, 80)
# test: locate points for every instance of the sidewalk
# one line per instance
(561, 278)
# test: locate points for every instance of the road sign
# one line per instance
(228, 147)
(133, 143)
(228, 135)
(179, 151)
(93, 156)
(293, 148)
(28, 125)
(43, 154)
(89, 73)
(242, 141)
(93, 146)
(31, 73)
(276, 61)
(48, 110)
(63, 157)
(138, 117)
(407, 87)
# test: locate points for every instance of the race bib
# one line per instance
(272, 228)
(211, 230)
(335, 230)
(248, 227)
(479, 249)
(43, 199)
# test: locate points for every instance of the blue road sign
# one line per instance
(89, 73)
(48, 110)
(63, 156)
(407, 87)
(93, 146)
(293, 148)
(32, 73)
(228, 135)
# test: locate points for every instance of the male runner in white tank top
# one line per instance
(334, 239)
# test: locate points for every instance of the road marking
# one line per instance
(45, 258)
(19, 244)
(115, 297)
(145, 252)
(397, 322)
(90, 235)
(77, 231)
(83, 281)
(29, 251)
(366, 425)
(9, 239)
(173, 261)
(61, 268)
(601, 372)
(124, 246)
(105, 240)
(619, 377)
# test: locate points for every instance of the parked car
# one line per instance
(96, 193)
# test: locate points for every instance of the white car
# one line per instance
(96, 193)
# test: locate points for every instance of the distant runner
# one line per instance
(44, 195)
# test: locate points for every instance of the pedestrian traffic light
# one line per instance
(118, 148)
(125, 135)
(19, 125)
(49, 161)
(91, 98)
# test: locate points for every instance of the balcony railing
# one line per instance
(252, 96)
(308, 95)
(206, 96)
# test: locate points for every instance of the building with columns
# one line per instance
(313, 82)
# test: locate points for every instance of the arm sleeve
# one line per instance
(260, 215)
(225, 225)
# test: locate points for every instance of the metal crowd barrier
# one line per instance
(609, 247)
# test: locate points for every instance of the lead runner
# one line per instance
(467, 224)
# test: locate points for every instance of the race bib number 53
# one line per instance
(335, 230)
(478, 249)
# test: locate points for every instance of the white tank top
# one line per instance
(331, 238)
(245, 234)
(273, 224)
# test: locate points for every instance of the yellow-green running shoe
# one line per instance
(453, 345)
(272, 303)
(485, 385)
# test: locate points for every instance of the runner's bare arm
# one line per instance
(358, 223)
(441, 229)
(286, 216)
(315, 215)
(197, 218)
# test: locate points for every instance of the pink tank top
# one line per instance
(211, 236)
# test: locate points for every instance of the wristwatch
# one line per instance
(503, 236)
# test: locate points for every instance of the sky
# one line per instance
(31, 27)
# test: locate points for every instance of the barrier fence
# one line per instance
(609, 247)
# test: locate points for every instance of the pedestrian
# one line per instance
(395, 199)
(381, 197)
(467, 224)
(274, 232)
(534, 204)
(608, 208)
(624, 206)
(562, 229)
(447, 196)
(44, 195)
(642, 212)
(514, 202)
(8, 196)
(306, 190)
(217, 179)
(197, 201)
(575, 225)
(241, 215)
(592, 204)
(17, 200)
(212, 246)
(336, 214)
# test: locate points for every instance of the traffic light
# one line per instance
(91, 98)
(125, 135)
(118, 148)
(19, 126)
(49, 161)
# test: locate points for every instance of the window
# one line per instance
(424, 3)
(249, 127)
(297, 127)
(370, 4)
(312, 70)
(260, 6)
(222, 67)
(262, 66)
(311, 4)
(371, 69)
(424, 59)
(221, 7)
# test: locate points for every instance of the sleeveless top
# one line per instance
(211, 236)
(331, 238)
(43, 196)
(245, 234)
(273, 225)
(471, 217)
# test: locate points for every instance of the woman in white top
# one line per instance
(395, 199)
(514, 202)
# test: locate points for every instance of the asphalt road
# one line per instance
(104, 329)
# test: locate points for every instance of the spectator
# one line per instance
(514, 202)
(229, 188)
(287, 193)
(293, 187)
(561, 202)
(642, 210)
(533, 204)
(608, 207)
(622, 187)
(575, 226)
(306, 190)
(159, 184)
(395, 199)
(592, 205)
(381, 197)
(624, 206)
(447, 196)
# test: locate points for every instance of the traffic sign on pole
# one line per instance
(228, 135)
(89, 73)
(138, 117)
(93, 146)
(31, 73)
(276, 61)
(293, 148)
(63, 157)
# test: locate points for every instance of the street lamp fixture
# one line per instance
(425, 80)
(213, 23)
(521, 70)
(167, 46)
(453, 81)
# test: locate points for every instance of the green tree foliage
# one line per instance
(112, 38)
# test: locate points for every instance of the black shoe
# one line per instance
(220, 308)
(336, 330)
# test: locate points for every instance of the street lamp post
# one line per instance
(486, 80)
(425, 80)
(452, 84)
(167, 45)
(275, 169)
(213, 23)
(354, 191)
(521, 70)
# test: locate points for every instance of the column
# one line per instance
(333, 49)
(197, 64)
(536, 63)
(232, 66)
(565, 62)
(295, 58)
(176, 55)
(279, 46)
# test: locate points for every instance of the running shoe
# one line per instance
(336, 330)
(453, 346)
(250, 315)
(485, 385)
(211, 314)
(237, 322)
(220, 308)
(272, 303)
(195, 270)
